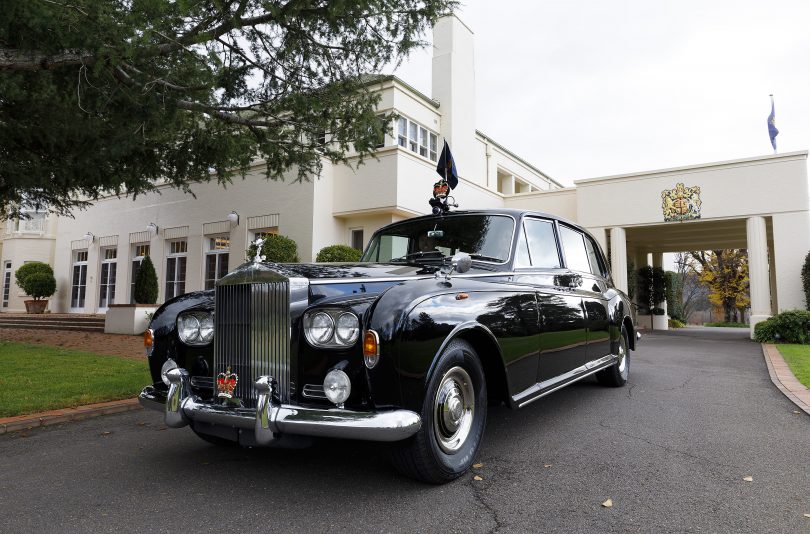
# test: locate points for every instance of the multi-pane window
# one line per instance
(109, 270)
(6, 283)
(417, 138)
(263, 233)
(139, 252)
(78, 287)
(176, 269)
(216, 259)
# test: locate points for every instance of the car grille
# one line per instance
(252, 336)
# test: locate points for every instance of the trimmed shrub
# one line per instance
(276, 249)
(674, 323)
(338, 253)
(806, 281)
(146, 283)
(36, 279)
(790, 327)
(40, 285)
(651, 288)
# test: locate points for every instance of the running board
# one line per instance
(541, 389)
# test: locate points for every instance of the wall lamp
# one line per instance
(152, 228)
(89, 237)
(234, 218)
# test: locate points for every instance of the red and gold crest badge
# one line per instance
(441, 189)
(226, 384)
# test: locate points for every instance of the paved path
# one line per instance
(670, 450)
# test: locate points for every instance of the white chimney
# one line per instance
(454, 88)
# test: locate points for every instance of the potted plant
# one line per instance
(36, 280)
(652, 291)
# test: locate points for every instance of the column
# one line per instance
(618, 257)
(758, 270)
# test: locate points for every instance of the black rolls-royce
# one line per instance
(444, 315)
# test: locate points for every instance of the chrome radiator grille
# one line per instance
(252, 335)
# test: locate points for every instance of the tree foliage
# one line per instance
(338, 253)
(725, 273)
(111, 96)
(146, 283)
(806, 281)
(36, 279)
(276, 249)
(651, 284)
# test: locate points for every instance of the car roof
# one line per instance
(512, 212)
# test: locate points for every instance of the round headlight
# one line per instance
(321, 327)
(347, 328)
(337, 386)
(207, 328)
(188, 328)
(167, 366)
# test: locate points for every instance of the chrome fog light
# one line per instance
(167, 366)
(337, 386)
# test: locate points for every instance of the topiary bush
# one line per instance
(338, 253)
(36, 279)
(806, 281)
(790, 327)
(146, 283)
(276, 249)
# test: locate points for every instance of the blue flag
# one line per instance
(772, 131)
(447, 167)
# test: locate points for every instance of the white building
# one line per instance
(192, 242)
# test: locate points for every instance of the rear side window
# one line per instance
(576, 257)
(597, 263)
(542, 244)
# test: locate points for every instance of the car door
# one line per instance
(583, 259)
(563, 334)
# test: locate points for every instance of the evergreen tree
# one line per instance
(146, 283)
(110, 96)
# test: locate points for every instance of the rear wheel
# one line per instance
(453, 419)
(617, 374)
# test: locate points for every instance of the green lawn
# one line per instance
(727, 325)
(35, 378)
(798, 359)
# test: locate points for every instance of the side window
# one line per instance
(542, 244)
(576, 257)
(597, 263)
(522, 253)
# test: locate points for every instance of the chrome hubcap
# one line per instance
(453, 410)
(623, 370)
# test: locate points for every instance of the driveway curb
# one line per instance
(783, 378)
(65, 415)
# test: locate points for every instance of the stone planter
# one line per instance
(36, 306)
(658, 322)
(132, 319)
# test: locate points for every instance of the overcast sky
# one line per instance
(593, 88)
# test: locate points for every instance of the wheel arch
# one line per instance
(489, 353)
(631, 332)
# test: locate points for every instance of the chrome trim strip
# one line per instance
(559, 382)
(358, 280)
(272, 418)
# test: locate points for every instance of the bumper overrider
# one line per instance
(271, 419)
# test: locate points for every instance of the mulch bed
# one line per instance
(110, 344)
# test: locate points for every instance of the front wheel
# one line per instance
(454, 415)
(617, 374)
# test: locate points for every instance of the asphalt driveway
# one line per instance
(671, 450)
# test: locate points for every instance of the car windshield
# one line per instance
(484, 237)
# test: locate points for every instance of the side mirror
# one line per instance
(461, 262)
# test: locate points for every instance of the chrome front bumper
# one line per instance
(271, 419)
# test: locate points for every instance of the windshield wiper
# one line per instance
(485, 258)
(419, 255)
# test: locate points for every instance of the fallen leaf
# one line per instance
(748, 479)
(105, 433)
(141, 423)
(476, 477)
(806, 515)
(608, 503)
(546, 465)
(796, 412)
(478, 466)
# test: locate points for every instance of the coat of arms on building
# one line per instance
(682, 203)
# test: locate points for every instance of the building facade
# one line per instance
(761, 204)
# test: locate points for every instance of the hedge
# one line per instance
(791, 327)
(338, 253)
